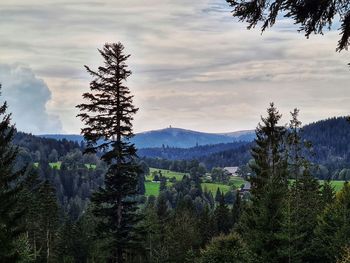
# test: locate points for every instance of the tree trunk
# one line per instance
(120, 255)
(34, 245)
(47, 246)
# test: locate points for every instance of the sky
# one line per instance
(193, 65)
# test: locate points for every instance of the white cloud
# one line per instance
(27, 96)
(194, 65)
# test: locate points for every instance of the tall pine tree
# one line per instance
(10, 212)
(108, 119)
(262, 222)
(303, 204)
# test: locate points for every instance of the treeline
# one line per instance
(329, 152)
(173, 153)
(36, 149)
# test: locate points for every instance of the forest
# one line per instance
(103, 200)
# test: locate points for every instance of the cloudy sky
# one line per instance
(193, 65)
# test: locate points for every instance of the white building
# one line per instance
(232, 170)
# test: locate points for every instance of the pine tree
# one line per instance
(327, 193)
(332, 233)
(11, 214)
(262, 222)
(108, 118)
(218, 195)
(303, 204)
(31, 201)
(236, 209)
(207, 226)
(48, 219)
(222, 217)
(226, 249)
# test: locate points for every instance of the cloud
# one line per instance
(194, 65)
(27, 97)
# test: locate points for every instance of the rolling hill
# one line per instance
(173, 137)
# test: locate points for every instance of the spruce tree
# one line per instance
(11, 214)
(327, 193)
(262, 221)
(31, 201)
(108, 119)
(48, 219)
(332, 233)
(303, 204)
(236, 210)
(222, 217)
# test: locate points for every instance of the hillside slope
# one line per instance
(330, 140)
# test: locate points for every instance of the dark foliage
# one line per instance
(313, 16)
(11, 212)
(108, 116)
(172, 153)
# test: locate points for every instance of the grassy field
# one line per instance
(236, 182)
(165, 173)
(213, 187)
(152, 188)
(338, 185)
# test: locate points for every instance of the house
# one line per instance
(232, 170)
(245, 189)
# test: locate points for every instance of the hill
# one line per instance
(174, 153)
(172, 137)
(330, 140)
(180, 138)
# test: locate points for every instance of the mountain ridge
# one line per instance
(172, 137)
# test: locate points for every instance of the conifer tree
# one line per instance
(262, 222)
(48, 218)
(108, 116)
(11, 213)
(332, 233)
(236, 209)
(31, 201)
(207, 226)
(303, 204)
(327, 193)
(222, 217)
(218, 195)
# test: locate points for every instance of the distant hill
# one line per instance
(181, 138)
(173, 153)
(330, 140)
(172, 137)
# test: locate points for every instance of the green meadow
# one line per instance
(166, 173)
(152, 188)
